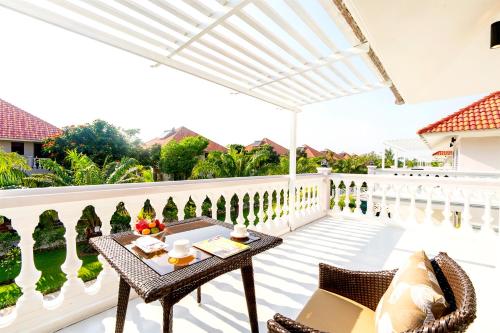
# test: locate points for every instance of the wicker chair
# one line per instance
(367, 288)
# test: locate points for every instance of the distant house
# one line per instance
(280, 150)
(443, 156)
(177, 134)
(340, 156)
(311, 152)
(22, 132)
(472, 133)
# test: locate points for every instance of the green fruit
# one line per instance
(155, 230)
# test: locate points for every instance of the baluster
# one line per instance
(383, 204)
(369, 205)
(270, 211)
(412, 219)
(465, 223)
(285, 203)
(133, 207)
(227, 198)
(428, 206)
(261, 207)
(240, 219)
(24, 221)
(357, 210)
(69, 215)
(198, 201)
(336, 207)
(105, 211)
(251, 213)
(487, 218)
(396, 215)
(213, 199)
(346, 210)
(446, 222)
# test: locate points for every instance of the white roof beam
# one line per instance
(273, 38)
(311, 23)
(276, 17)
(211, 26)
(43, 14)
(338, 56)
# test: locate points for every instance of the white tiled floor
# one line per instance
(286, 276)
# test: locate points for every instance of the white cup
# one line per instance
(240, 230)
(181, 247)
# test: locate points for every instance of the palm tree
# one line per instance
(13, 169)
(234, 163)
(83, 171)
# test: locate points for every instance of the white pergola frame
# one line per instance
(243, 63)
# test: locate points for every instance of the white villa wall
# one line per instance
(5, 146)
(479, 154)
(29, 148)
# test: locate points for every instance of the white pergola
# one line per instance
(289, 53)
(408, 148)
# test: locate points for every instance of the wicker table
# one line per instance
(173, 286)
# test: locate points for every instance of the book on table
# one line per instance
(221, 247)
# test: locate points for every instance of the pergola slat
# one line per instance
(229, 43)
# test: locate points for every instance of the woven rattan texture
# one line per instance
(368, 287)
(151, 286)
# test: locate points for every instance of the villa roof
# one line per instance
(311, 152)
(279, 149)
(17, 124)
(480, 115)
(180, 133)
(443, 153)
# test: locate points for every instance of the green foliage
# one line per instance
(237, 163)
(120, 221)
(13, 169)
(303, 165)
(10, 265)
(83, 171)
(179, 158)
(356, 164)
(98, 140)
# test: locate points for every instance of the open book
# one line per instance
(221, 247)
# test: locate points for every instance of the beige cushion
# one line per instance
(413, 298)
(329, 312)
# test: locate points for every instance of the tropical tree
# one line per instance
(13, 169)
(235, 163)
(303, 165)
(98, 140)
(178, 159)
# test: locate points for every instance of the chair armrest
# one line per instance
(282, 324)
(365, 288)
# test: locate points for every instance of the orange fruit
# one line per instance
(151, 224)
(146, 231)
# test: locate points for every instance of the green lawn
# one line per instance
(52, 279)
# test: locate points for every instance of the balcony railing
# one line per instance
(453, 206)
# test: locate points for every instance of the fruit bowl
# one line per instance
(145, 227)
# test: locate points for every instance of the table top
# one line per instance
(152, 282)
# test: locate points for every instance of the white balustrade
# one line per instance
(411, 201)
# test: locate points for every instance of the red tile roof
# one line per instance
(480, 115)
(311, 152)
(280, 150)
(181, 133)
(443, 153)
(17, 124)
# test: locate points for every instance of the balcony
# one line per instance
(379, 221)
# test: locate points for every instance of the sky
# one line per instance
(68, 79)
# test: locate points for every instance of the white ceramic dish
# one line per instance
(176, 255)
(235, 235)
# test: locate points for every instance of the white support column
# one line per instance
(292, 172)
(396, 159)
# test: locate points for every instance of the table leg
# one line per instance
(248, 284)
(167, 315)
(121, 309)
(198, 295)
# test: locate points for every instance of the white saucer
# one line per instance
(174, 254)
(235, 235)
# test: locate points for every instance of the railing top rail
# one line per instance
(449, 181)
(50, 195)
(449, 172)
